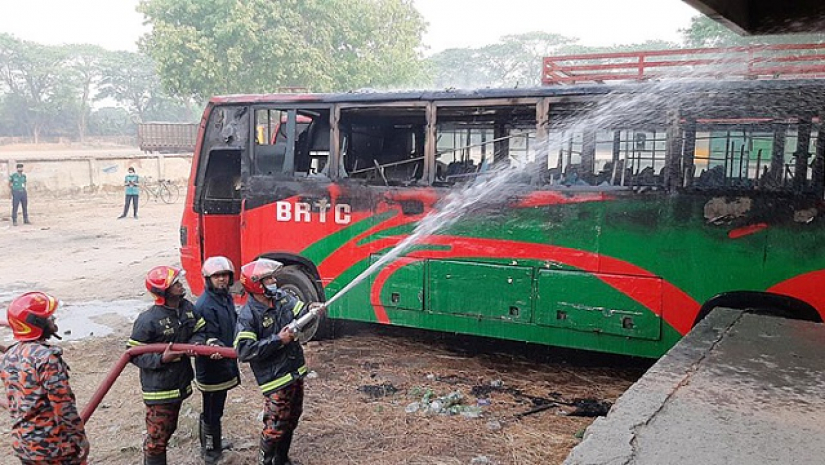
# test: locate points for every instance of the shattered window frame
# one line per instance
(363, 132)
(305, 153)
(225, 137)
(495, 132)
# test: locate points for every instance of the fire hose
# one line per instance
(303, 328)
(103, 389)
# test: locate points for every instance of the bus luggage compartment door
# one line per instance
(403, 288)
(482, 290)
(584, 302)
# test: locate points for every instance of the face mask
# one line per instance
(270, 290)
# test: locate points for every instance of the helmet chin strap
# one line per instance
(270, 290)
(47, 333)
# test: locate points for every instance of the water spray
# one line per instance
(612, 107)
(455, 206)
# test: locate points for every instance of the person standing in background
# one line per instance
(132, 192)
(19, 197)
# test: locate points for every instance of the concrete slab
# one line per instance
(739, 389)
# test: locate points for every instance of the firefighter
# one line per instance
(215, 376)
(264, 339)
(166, 379)
(46, 427)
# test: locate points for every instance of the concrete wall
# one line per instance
(90, 174)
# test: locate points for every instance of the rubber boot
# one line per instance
(212, 439)
(154, 459)
(201, 437)
(283, 449)
(226, 444)
(268, 453)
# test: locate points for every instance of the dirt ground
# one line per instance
(363, 380)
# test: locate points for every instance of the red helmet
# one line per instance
(160, 279)
(254, 272)
(29, 315)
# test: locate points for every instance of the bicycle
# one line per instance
(162, 189)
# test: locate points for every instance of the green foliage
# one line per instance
(130, 79)
(705, 32)
(84, 70)
(208, 47)
(515, 61)
(111, 121)
(34, 74)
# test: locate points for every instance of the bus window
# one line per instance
(473, 140)
(565, 159)
(383, 146)
(292, 142)
(631, 158)
(461, 152)
(759, 156)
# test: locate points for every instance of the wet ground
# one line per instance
(740, 388)
(509, 400)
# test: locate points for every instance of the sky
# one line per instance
(115, 25)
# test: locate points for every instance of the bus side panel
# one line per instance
(480, 290)
(795, 255)
(588, 302)
(403, 289)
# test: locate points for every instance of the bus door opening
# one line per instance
(217, 200)
(221, 205)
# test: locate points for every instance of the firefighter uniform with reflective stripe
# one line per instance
(279, 368)
(215, 378)
(46, 426)
(217, 309)
(164, 385)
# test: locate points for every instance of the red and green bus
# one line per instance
(634, 209)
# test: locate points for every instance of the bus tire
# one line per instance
(294, 280)
(761, 303)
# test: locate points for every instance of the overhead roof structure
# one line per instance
(757, 17)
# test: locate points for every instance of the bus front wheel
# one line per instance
(295, 281)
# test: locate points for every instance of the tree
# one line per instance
(705, 32)
(32, 73)
(458, 68)
(130, 79)
(514, 61)
(86, 63)
(208, 47)
(111, 121)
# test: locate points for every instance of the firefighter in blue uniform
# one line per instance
(215, 376)
(265, 340)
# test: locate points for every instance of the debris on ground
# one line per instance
(481, 460)
(589, 408)
(450, 404)
(378, 390)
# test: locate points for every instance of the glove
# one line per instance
(318, 307)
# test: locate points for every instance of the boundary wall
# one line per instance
(91, 173)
